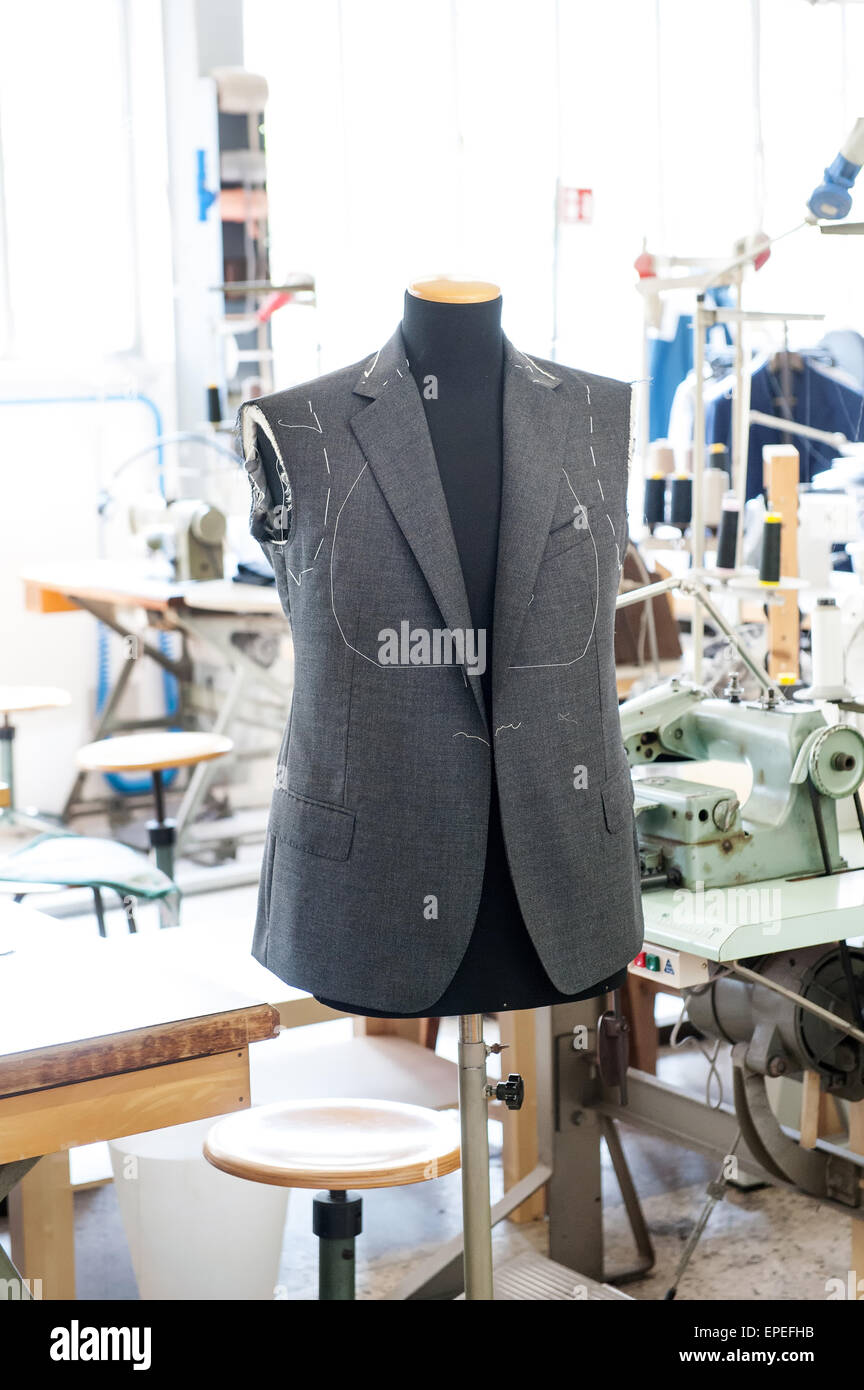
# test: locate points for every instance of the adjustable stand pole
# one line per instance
(474, 1120)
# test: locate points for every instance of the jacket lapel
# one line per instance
(394, 437)
(538, 423)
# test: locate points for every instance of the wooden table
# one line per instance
(111, 1038)
(212, 612)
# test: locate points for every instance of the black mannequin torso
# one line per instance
(456, 356)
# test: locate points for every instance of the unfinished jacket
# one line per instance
(375, 849)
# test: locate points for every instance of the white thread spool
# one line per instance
(829, 676)
(715, 483)
(661, 458)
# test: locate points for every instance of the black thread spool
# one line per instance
(727, 541)
(681, 501)
(214, 405)
(718, 457)
(655, 500)
(769, 560)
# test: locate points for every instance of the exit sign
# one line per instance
(575, 204)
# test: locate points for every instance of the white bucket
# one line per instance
(195, 1232)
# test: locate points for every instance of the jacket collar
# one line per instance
(390, 364)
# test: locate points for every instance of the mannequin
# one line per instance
(455, 348)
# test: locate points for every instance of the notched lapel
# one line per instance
(541, 422)
(393, 434)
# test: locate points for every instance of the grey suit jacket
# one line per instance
(375, 849)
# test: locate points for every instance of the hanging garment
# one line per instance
(819, 397)
(375, 850)
(670, 360)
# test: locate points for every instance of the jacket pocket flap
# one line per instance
(617, 794)
(314, 826)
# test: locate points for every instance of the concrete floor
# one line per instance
(759, 1244)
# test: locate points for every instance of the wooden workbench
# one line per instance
(111, 1038)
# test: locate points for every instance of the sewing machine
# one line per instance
(691, 834)
(189, 531)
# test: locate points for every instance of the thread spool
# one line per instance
(655, 500)
(769, 560)
(827, 649)
(718, 457)
(715, 484)
(681, 501)
(214, 405)
(661, 458)
(727, 541)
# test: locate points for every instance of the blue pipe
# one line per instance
(127, 786)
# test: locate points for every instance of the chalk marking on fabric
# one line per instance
(544, 665)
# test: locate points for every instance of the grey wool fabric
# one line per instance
(375, 849)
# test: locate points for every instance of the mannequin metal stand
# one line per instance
(474, 1121)
(474, 1094)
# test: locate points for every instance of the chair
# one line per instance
(20, 699)
(153, 753)
(337, 1145)
(81, 861)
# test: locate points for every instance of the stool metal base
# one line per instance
(337, 1219)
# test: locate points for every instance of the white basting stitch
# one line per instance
(369, 370)
(597, 478)
(462, 734)
(298, 577)
(316, 428)
(568, 719)
(320, 543)
(326, 507)
(326, 460)
(541, 370)
(507, 726)
(542, 665)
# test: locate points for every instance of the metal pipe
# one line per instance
(474, 1122)
(697, 530)
(700, 593)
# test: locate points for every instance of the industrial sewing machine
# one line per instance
(692, 834)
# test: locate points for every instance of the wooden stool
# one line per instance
(21, 699)
(154, 753)
(335, 1144)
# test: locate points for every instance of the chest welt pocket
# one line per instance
(317, 827)
(573, 532)
(617, 796)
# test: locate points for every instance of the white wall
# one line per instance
(410, 138)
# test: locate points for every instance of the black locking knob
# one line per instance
(511, 1091)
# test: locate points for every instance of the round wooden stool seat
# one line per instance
(336, 1144)
(152, 752)
(17, 699)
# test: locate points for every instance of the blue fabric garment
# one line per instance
(819, 399)
(669, 361)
